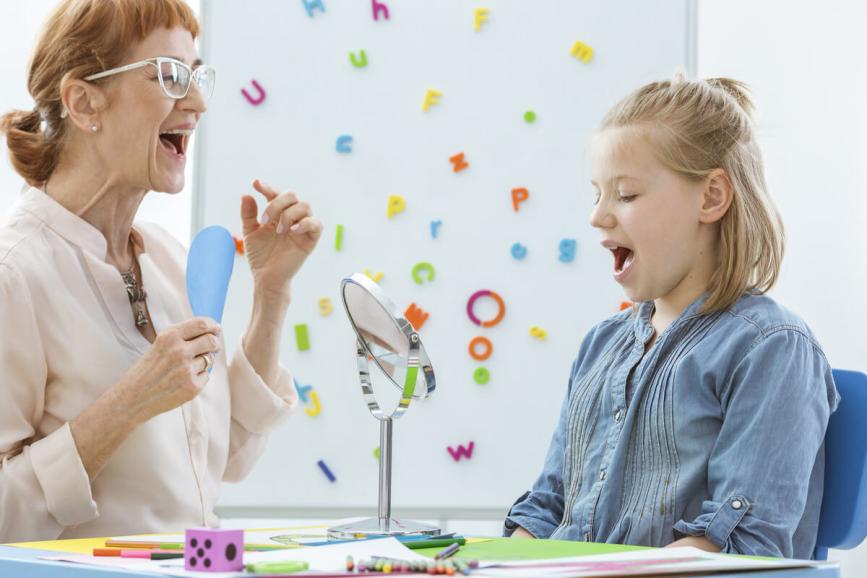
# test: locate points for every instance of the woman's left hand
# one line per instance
(277, 246)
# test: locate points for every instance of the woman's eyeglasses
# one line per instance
(175, 76)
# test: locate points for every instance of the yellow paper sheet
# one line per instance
(77, 546)
(86, 545)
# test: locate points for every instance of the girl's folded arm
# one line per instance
(776, 408)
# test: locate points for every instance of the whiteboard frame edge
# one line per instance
(197, 212)
(691, 58)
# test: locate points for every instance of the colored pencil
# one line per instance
(417, 544)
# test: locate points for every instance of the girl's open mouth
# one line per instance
(623, 259)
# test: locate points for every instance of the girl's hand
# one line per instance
(277, 246)
(522, 533)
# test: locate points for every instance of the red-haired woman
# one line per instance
(110, 421)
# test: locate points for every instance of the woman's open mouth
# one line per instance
(175, 142)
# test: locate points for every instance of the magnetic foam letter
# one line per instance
(338, 238)
(462, 451)
(317, 407)
(311, 5)
(458, 162)
(481, 375)
(375, 277)
(359, 62)
(519, 251)
(431, 97)
(302, 390)
(254, 100)
(481, 15)
(416, 272)
(486, 293)
(434, 228)
(484, 342)
(416, 316)
(302, 337)
(567, 250)
(519, 196)
(379, 7)
(582, 52)
(327, 471)
(344, 144)
(325, 307)
(396, 204)
(538, 333)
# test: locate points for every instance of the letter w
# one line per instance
(466, 452)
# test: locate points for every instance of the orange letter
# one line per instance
(416, 316)
(459, 162)
(519, 196)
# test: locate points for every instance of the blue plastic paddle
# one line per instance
(209, 268)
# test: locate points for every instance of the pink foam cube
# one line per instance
(213, 550)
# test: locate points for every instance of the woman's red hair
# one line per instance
(80, 38)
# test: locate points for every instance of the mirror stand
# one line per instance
(384, 524)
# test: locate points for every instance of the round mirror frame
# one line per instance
(417, 359)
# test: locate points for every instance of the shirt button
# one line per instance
(618, 416)
(736, 504)
(602, 475)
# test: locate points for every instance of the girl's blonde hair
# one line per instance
(701, 126)
(80, 38)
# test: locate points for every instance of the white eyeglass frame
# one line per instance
(157, 61)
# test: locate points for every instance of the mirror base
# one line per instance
(372, 527)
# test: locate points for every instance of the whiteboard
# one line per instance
(519, 60)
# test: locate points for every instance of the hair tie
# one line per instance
(42, 124)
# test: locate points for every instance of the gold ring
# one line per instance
(207, 359)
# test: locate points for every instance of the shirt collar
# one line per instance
(66, 224)
(643, 327)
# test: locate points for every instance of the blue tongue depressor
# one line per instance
(209, 268)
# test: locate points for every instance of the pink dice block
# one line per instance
(213, 550)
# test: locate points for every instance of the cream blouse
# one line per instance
(67, 335)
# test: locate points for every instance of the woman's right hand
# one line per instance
(172, 372)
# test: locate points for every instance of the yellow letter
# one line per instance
(325, 307)
(481, 16)
(396, 204)
(582, 52)
(431, 97)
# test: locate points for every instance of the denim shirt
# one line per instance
(717, 430)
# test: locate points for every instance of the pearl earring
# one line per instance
(94, 128)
